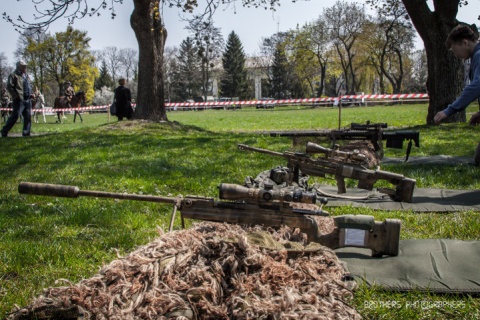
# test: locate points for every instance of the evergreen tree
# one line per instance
(234, 82)
(104, 80)
(279, 74)
(189, 74)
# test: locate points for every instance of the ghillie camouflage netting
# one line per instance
(211, 271)
(366, 148)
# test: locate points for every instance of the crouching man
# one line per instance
(463, 43)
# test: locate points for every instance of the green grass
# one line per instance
(44, 239)
(297, 117)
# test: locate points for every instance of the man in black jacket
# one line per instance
(123, 99)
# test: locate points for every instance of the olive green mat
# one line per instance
(435, 265)
(424, 200)
(428, 160)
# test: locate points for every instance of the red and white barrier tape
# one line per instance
(251, 102)
(304, 100)
(52, 110)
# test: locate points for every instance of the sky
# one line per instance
(250, 24)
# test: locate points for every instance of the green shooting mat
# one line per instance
(428, 160)
(435, 265)
(424, 200)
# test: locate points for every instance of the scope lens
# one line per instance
(267, 196)
(297, 196)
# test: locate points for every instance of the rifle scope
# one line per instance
(229, 191)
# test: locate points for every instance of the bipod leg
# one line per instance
(409, 149)
(172, 218)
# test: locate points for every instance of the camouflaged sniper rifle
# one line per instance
(372, 132)
(301, 163)
(256, 206)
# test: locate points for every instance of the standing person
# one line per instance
(5, 104)
(20, 88)
(463, 42)
(122, 100)
(5, 98)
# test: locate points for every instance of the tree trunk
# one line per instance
(345, 67)
(323, 75)
(354, 86)
(445, 72)
(399, 79)
(151, 35)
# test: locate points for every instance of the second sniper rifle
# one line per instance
(372, 132)
(301, 163)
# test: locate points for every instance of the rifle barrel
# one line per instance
(249, 148)
(57, 190)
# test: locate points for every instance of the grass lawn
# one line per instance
(44, 239)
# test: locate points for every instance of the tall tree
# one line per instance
(104, 79)
(113, 60)
(30, 47)
(170, 66)
(313, 42)
(129, 61)
(209, 41)
(234, 80)
(392, 40)
(346, 21)
(189, 80)
(66, 56)
(57, 58)
(279, 77)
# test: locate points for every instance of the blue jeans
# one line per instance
(20, 107)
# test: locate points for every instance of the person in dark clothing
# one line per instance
(20, 88)
(122, 100)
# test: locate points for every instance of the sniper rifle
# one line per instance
(372, 132)
(301, 163)
(254, 206)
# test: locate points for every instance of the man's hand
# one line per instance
(439, 117)
(475, 119)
